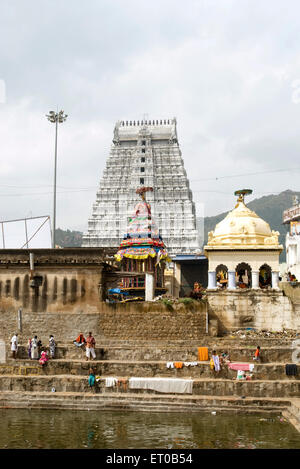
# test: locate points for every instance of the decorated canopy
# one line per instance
(142, 239)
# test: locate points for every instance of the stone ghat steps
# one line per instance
(171, 353)
(270, 371)
(133, 402)
(206, 340)
(292, 413)
(204, 386)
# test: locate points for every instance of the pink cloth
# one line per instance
(239, 366)
(44, 358)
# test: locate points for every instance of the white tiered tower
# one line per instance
(144, 153)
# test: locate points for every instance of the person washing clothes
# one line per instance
(92, 379)
(224, 358)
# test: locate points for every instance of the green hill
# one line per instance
(269, 208)
(67, 238)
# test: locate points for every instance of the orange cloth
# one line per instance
(178, 364)
(80, 339)
(202, 354)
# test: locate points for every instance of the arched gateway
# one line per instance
(246, 245)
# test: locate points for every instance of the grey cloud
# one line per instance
(224, 68)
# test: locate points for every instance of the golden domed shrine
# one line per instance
(242, 250)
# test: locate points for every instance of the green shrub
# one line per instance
(186, 301)
(168, 303)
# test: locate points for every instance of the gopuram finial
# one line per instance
(141, 191)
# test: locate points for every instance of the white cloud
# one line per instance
(228, 70)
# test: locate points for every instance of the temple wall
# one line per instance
(63, 289)
(292, 290)
(69, 280)
(270, 310)
(131, 321)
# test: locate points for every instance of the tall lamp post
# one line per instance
(56, 118)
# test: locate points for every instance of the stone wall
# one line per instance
(292, 290)
(69, 279)
(131, 321)
(260, 309)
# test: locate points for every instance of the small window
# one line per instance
(142, 169)
(142, 181)
(143, 159)
(143, 150)
(143, 142)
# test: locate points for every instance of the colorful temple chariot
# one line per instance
(142, 253)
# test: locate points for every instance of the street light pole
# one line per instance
(55, 117)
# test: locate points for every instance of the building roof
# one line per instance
(243, 229)
(190, 260)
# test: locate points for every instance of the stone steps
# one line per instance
(118, 401)
(138, 368)
(204, 386)
(24, 383)
(292, 413)
(187, 353)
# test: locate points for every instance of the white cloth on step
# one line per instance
(170, 365)
(216, 362)
(190, 363)
(168, 385)
(110, 382)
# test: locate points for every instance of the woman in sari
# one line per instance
(44, 358)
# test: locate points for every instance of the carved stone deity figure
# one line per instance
(116, 133)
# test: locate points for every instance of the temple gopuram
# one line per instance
(144, 153)
(142, 254)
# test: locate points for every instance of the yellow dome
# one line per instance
(242, 228)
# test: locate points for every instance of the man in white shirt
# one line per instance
(14, 345)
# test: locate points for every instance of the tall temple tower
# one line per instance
(144, 153)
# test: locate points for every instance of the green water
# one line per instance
(54, 429)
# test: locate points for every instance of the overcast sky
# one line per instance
(228, 70)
